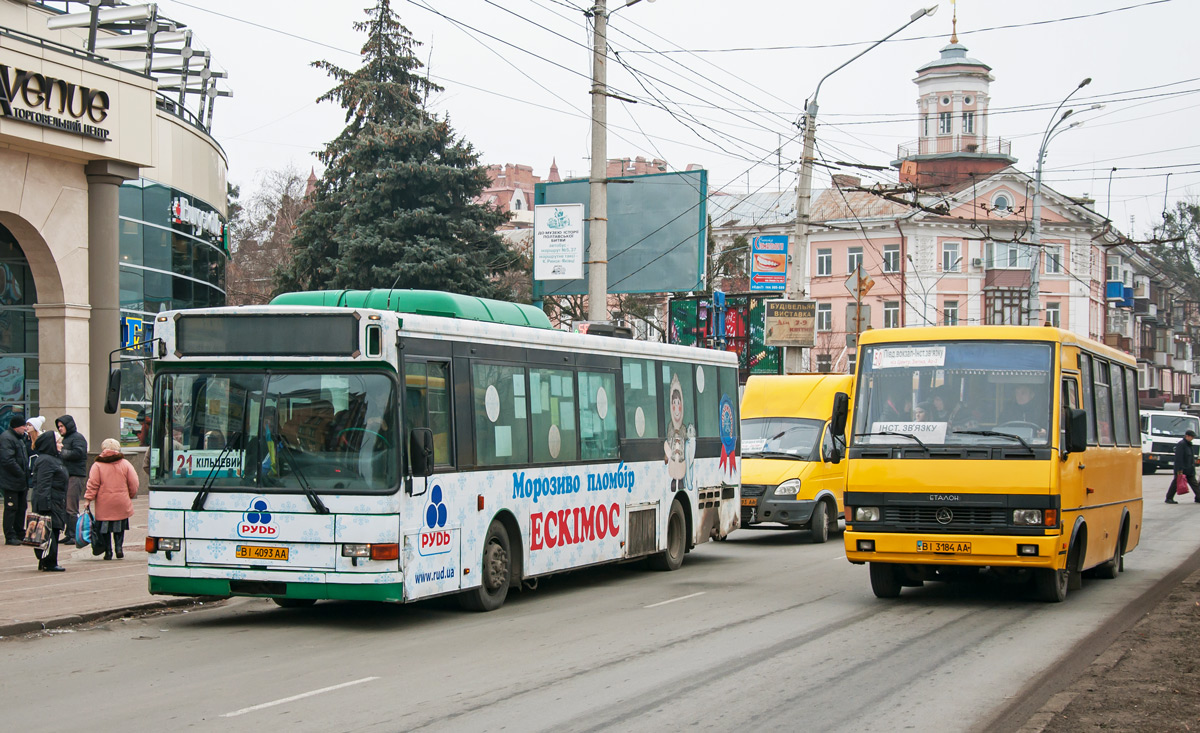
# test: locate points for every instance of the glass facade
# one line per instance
(173, 253)
(18, 332)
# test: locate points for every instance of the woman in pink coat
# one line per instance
(112, 484)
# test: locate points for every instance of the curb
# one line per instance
(58, 622)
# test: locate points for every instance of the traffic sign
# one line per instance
(859, 283)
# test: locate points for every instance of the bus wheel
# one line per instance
(672, 557)
(1051, 584)
(1109, 570)
(819, 524)
(885, 580)
(495, 572)
(294, 602)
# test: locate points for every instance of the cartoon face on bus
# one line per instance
(676, 446)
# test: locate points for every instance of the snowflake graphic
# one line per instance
(310, 535)
(361, 519)
(309, 578)
(192, 520)
(287, 506)
(152, 523)
(215, 549)
(237, 575)
(385, 578)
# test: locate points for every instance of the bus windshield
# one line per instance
(1173, 426)
(275, 432)
(778, 437)
(961, 393)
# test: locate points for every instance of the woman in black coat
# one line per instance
(50, 495)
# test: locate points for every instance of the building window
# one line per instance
(853, 259)
(824, 363)
(1053, 315)
(824, 316)
(968, 123)
(891, 315)
(950, 313)
(1002, 205)
(1007, 308)
(944, 122)
(1006, 255)
(824, 262)
(1052, 254)
(951, 258)
(891, 258)
(517, 204)
(925, 125)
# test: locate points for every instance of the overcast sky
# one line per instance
(735, 84)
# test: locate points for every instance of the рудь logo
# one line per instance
(256, 521)
(434, 540)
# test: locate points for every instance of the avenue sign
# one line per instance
(27, 96)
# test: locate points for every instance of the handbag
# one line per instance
(83, 529)
(97, 539)
(1181, 484)
(37, 529)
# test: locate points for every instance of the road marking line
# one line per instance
(293, 698)
(680, 598)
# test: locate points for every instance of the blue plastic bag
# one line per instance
(83, 529)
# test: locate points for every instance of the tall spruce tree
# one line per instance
(396, 201)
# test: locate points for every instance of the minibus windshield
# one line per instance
(780, 437)
(955, 393)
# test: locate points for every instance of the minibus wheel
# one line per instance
(885, 580)
(819, 525)
(672, 557)
(1051, 584)
(495, 572)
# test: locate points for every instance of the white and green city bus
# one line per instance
(396, 445)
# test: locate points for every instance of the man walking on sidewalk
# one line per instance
(1185, 465)
(14, 478)
(74, 457)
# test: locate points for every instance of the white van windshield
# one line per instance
(1173, 426)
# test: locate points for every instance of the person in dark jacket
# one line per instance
(1185, 464)
(50, 495)
(14, 478)
(74, 457)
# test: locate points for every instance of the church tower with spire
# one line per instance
(953, 142)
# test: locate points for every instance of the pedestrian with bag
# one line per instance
(14, 478)
(74, 457)
(1185, 469)
(50, 496)
(112, 484)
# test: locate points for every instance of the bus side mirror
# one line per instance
(420, 451)
(112, 398)
(1076, 431)
(841, 410)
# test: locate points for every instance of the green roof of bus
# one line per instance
(423, 302)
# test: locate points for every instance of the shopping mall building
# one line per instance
(112, 198)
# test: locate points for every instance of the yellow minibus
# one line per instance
(1011, 449)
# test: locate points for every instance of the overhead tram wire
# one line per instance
(906, 39)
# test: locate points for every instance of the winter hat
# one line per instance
(111, 444)
(16, 421)
(36, 422)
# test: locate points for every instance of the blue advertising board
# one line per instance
(768, 262)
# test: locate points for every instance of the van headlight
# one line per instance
(866, 514)
(1027, 517)
(791, 487)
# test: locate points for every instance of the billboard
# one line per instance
(657, 228)
(768, 262)
(558, 242)
(791, 323)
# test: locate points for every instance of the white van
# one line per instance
(1160, 432)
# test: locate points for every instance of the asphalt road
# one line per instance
(763, 632)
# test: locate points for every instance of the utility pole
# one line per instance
(598, 183)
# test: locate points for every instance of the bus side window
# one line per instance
(1089, 406)
(640, 389)
(1070, 400)
(598, 416)
(427, 404)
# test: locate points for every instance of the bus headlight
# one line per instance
(866, 514)
(1027, 517)
(791, 487)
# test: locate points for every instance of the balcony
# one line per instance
(1146, 353)
(996, 278)
(1162, 359)
(1119, 342)
(954, 145)
(1183, 366)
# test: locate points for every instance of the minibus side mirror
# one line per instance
(835, 455)
(420, 451)
(112, 397)
(841, 410)
(1076, 431)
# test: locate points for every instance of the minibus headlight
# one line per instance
(791, 487)
(356, 550)
(866, 514)
(1027, 517)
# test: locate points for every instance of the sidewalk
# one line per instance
(91, 589)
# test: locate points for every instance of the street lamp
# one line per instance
(799, 263)
(1035, 233)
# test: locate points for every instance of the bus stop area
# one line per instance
(91, 589)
